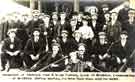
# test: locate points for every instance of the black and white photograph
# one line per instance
(67, 36)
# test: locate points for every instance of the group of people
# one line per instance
(94, 41)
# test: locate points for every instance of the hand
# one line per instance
(11, 54)
(54, 65)
(34, 57)
(93, 55)
(45, 33)
(106, 55)
(124, 60)
(118, 60)
(100, 57)
(37, 56)
(66, 61)
(89, 64)
(16, 53)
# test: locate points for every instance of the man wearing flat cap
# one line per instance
(65, 42)
(11, 50)
(101, 52)
(35, 22)
(121, 50)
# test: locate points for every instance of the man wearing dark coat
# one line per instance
(11, 48)
(121, 50)
(34, 49)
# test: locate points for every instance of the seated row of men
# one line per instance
(67, 54)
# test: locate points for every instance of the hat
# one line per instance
(94, 14)
(85, 18)
(62, 12)
(105, 6)
(55, 44)
(124, 32)
(77, 31)
(74, 13)
(35, 11)
(131, 11)
(73, 20)
(101, 33)
(81, 44)
(11, 31)
(54, 13)
(64, 31)
(36, 29)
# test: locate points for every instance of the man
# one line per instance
(64, 23)
(93, 10)
(79, 19)
(55, 25)
(123, 13)
(114, 28)
(104, 9)
(107, 17)
(80, 61)
(73, 26)
(101, 52)
(35, 22)
(65, 42)
(76, 40)
(11, 48)
(54, 61)
(34, 49)
(121, 50)
(95, 25)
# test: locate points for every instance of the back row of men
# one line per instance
(87, 42)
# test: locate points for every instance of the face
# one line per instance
(93, 10)
(102, 39)
(35, 17)
(74, 17)
(123, 37)
(73, 23)
(105, 9)
(63, 16)
(79, 17)
(77, 35)
(85, 22)
(81, 49)
(126, 4)
(36, 33)
(47, 19)
(12, 35)
(94, 17)
(107, 17)
(64, 35)
(131, 15)
(55, 48)
(54, 16)
(114, 16)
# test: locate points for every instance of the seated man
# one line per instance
(80, 61)
(34, 49)
(54, 61)
(101, 51)
(11, 50)
(122, 51)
